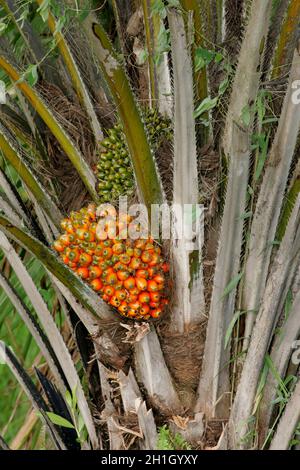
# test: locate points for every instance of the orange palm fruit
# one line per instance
(70, 228)
(149, 246)
(80, 232)
(145, 309)
(121, 294)
(141, 283)
(152, 270)
(107, 252)
(152, 286)
(72, 265)
(154, 296)
(131, 298)
(129, 251)
(131, 312)
(65, 259)
(111, 279)
(83, 272)
(124, 258)
(115, 302)
(58, 246)
(95, 272)
(89, 236)
(154, 260)
(129, 283)
(137, 252)
(90, 248)
(159, 278)
(134, 305)
(135, 263)
(142, 273)
(140, 243)
(118, 285)
(134, 291)
(127, 274)
(147, 256)
(103, 265)
(65, 239)
(144, 298)
(85, 259)
(123, 275)
(109, 290)
(98, 250)
(156, 313)
(96, 284)
(123, 308)
(118, 248)
(107, 271)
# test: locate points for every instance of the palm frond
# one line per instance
(148, 182)
(237, 151)
(64, 140)
(189, 301)
(14, 154)
(31, 391)
(268, 206)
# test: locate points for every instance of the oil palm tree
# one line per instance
(219, 369)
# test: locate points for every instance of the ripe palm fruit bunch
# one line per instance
(130, 275)
(114, 170)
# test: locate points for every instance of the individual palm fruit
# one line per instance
(130, 275)
(114, 170)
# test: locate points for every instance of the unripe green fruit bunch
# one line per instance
(114, 169)
(130, 275)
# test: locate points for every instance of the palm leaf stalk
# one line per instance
(288, 205)
(149, 42)
(189, 303)
(280, 356)
(237, 151)
(149, 185)
(200, 77)
(285, 266)
(161, 67)
(288, 423)
(287, 38)
(13, 154)
(74, 74)
(268, 207)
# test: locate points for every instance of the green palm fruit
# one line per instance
(114, 171)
